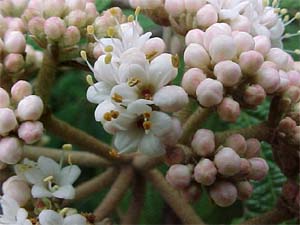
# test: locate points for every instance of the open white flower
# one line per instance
(50, 180)
(50, 217)
(12, 213)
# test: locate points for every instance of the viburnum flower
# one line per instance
(12, 213)
(50, 217)
(50, 180)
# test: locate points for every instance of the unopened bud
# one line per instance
(76, 18)
(20, 90)
(238, 143)
(206, 16)
(14, 62)
(223, 193)
(205, 172)
(14, 42)
(11, 150)
(244, 42)
(222, 48)
(179, 176)
(253, 148)
(8, 121)
(203, 142)
(30, 108)
(209, 92)
(244, 189)
(4, 98)
(71, 36)
(54, 28)
(250, 62)
(254, 95)
(194, 36)
(227, 162)
(191, 79)
(196, 56)
(31, 132)
(229, 110)
(174, 7)
(259, 169)
(268, 78)
(228, 73)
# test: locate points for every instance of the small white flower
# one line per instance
(12, 213)
(50, 217)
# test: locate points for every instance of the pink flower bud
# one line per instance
(54, 8)
(223, 193)
(287, 125)
(4, 98)
(279, 57)
(203, 142)
(241, 23)
(222, 48)
(227, 162)
(154, 47)
(250, 62)
(8, 121)
(174, 7)
(215, 30)
(253, 148)
(296, 135)
(171, 138)
(31, 132)
(193, 5)
(292, 93)
(229, 110)
(11, 150)
(194, 36)
(268, 78)
(76, 18)
(179, 176)
(294, 78)
(20, 90)
(15, 24)
(30, 108)
(97, 51)
(245, 168)
(196, 56)
(244, 189)
(191, 79)
(14, 62)
(71, 36)
(54, 28)
(259, 169)
(297, 66)
(209, 92)
(205, 172)
(244, 42)
(262, 44)
(284, 81)
(36, 26)
(192, 193)
(206, 16)
(76, 4)
(14, 42)
(91, 12)
(174, 155)
(17, 189)
(237, 142)
(228, 73)
(254, 95)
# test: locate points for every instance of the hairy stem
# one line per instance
(114, 196)
(180, 206)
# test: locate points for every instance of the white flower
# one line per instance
(50, 180)
(50, 217)
(12, 213)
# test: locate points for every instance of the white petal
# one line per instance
(139, 106)
(69, 175)
(65, 192)
(75, 220)
(277, 30)
(151, 145)
(129, 94)
(49, 217)
(105, 72)
(127, 71)
(48, 166)
(9, 207)
(161, 123)
(102, 108)
(34, 176)
(98, 92)
(40, 192)
(127, 141)
(22, 215)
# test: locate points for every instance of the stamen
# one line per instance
(111, 32)
(146, 115)
(109, 48)
(133, 81)
(130, 18)
(265, 2)
(63, 211)
(277, 10)
(117, 98)
(113, 11)
(90, 29)
(137, 11)
(114, 114)
(283, 11)
(107, 116)
(290, 35)
(151, 55)
(175, 61)
(286, 18)
(147, 125)
(114, 153)
(67, 147)
(89, 80)
(48, 179)
(108, 58)
(83, 55)
(54, 188)
(70, 159)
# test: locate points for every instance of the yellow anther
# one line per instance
(277, 10)
(114, 11)
(297, 16)
(63, 211)
(70, 159)
(130, 18)
(146, 115)
(67, 147)
(133, 81)
(55, 188)
(89, 80)
(117, 98)
(114, 153)
(137, 11)
(114, 114)
(265, 2)
(111, 32)
(151, 55)
(147, 125)
(108, 58)
(48, 179)
(175, 61)
(286, 18)
(107, 116)
(275, 3)
(297, 51)
(283, 11)
(109, 48)
(90, 29)
(83, 55)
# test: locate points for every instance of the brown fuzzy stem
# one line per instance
(143, 162)
(114, 196)
(180, 206)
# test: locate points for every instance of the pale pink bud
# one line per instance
(244, 189)
(4, 98)
(253, 148)
(203, 142)
(193, 5)
(229, 110)
(20, 90)
(296, 135)
(8, 121)
(250, 62)
(179, 176)
(71, 36)
(284, 81)
(205, 172)
(241, 23)
(76, 18)
(223, 193)
(269, 64)
(14, 42)
(192, 193)
(14, 62)
(54, 28)
(194, 36)
(91, 12)
(174, 7)
(170, 103)
(259, 169)
(254, 95)
(268, 78)
(237, 142)
(245, 167)
(191, 79)
(215, 30)
(196, 56)
(244, 42)
(292, 93)
(76, 4)
(269, 18)
(206, 16)
(17, 188)
(222, 48)
(54, 8)
(279, 57)
(172, 137)
(174, 155)
(294, 78)
(30, 108)
(31, 132)
(262, 44)
(209, 92)
(11, 150)
(97, 51)
(16, 24)
(36, 26)
(227, 161)
(228, 73)
(287, 125)
(297, 66)
(154, 47)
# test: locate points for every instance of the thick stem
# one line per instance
(184, 113)
(79, 158)
(114, 196)
(143, 162)
(180, 206)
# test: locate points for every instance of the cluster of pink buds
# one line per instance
(232, 68)
(224, 170)
(19, 115)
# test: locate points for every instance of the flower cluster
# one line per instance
(224, 170)
(19, 115)
(231, 68)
